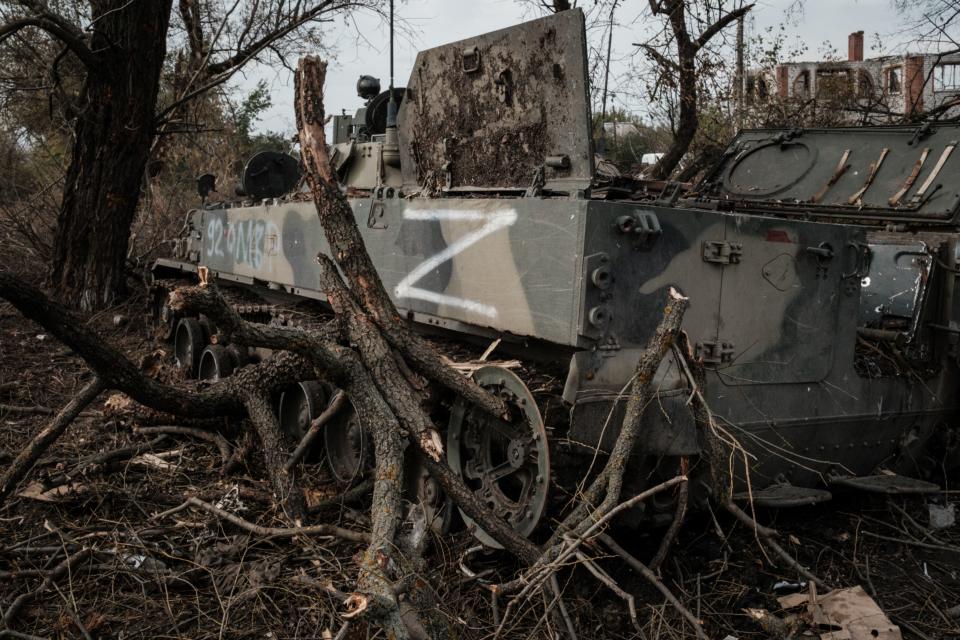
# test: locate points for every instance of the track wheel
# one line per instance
(166, 321)
(505, 463)
(216, 363)
(349, 447)
(419, 487)
(189, 340)
(300, 405)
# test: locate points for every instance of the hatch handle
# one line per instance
(470, 59)
(862, 257)
(823, 252)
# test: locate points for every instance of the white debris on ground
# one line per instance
(942, 517)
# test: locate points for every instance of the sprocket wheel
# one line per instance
(505, 463)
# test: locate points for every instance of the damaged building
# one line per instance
(879, 90)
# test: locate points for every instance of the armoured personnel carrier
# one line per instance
(821, 266)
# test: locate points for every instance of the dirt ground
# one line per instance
(190, 575)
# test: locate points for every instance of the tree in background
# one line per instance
(125, 77)
(931, 24)
(683, 53)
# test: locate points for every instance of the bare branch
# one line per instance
(244, 55)
(57, 28)
(720, 25)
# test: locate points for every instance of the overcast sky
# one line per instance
(822, 24)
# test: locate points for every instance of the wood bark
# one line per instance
(112, 138)
(688, 120)
(349, 252)
(285, 488)
(116, 371)
(368, 318)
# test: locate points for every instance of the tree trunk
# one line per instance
(113, 134)
(688, 121)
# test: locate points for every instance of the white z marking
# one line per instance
(494, 222)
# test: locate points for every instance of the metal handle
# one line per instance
(823, 252)
(470, 60)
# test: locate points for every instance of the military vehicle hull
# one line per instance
(821, 268)
(777, 326)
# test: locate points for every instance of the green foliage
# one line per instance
(249, 110)
(246, 114)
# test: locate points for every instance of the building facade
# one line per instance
(879, 90)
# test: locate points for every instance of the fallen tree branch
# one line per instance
(66, 566)
(742, 516)
(333, 407)
(20, 636)
(586, 520)
(605, 578)
(104, 461)
(912, 543)
(344, 366)
(352, 494)
(604, 492)
(285, 487)
(209, 436)
(349, 251)
(564, 615)
(38, 410)
(273, 532)
(116, 371)
(766, 535)
(678, 516)
(642, 569)
(549, 563)
(28, 456)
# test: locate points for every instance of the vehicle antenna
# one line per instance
(391, 147)
(392, 109)
(606, 80)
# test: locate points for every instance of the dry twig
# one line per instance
(27, 457)
(333, 407)
(209, 436)
(272, 532)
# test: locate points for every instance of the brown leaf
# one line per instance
(35, 491)
(316, 496)
(118, 403)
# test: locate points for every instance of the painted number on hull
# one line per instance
(492, 222)
(244, 241)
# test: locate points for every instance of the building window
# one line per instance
(894, 80)
(833, 84)
(751, 84)
(762, 92)
(864, 84)
(946, 77)
(801, 85)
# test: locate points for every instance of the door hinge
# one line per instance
(722, 252)
(714, 352)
